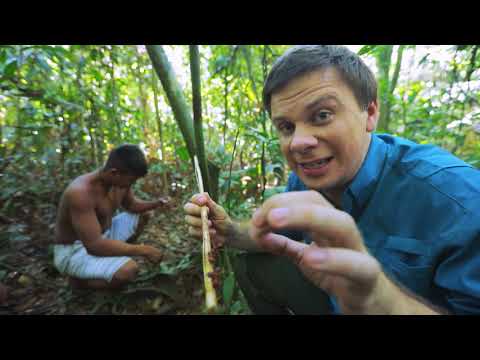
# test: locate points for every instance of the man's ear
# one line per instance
(113, 171)
(372, 116)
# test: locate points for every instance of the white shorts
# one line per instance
(75, 261)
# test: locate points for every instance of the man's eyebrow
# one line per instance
(278, 119)
(322, 99)
(310, 106)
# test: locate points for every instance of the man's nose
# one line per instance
(303, 141)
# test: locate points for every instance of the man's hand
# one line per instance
(336, 261)
(137, 206)
(219, 223)
(152, 254)
(164, 201)
(223, 230)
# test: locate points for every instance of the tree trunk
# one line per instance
(160, 132)
(262, 174)
(387, 84)
(197, 114)
(114, 103)
(179, 106)
(384, 59)
(174, 94)
(143, 97)
(225, 105)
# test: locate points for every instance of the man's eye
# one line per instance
(322, 116)
(286, 128)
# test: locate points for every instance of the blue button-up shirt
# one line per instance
(418, 209)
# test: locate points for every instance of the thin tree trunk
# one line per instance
(180, 109)
(174, 94)
(262, 116)
(392, 86)
(97, 137)
(248, 59)
(160, 132)
(197, 114)
(113, 112)
(473, 59)
(264, 124)
(143, 97)
(384, 59)
(225, 103)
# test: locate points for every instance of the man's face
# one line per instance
(123, 180)
(324, 134)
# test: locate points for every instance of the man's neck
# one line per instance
(99, 178)
(334, 197)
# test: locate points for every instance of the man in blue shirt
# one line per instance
(369, 224)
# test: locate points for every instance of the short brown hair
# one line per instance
(303, 59)
(129, 159)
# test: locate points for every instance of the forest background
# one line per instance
(62, 108)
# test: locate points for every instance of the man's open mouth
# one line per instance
(317, 163)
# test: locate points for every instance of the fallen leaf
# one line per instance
(24, 280)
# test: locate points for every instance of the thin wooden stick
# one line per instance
(210, 295)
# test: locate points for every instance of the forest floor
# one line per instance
(35, 287)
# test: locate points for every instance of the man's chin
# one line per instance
(322, 186)
(316, 184)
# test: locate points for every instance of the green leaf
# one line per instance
(236, 308)
(228, 287)
(183, 153)
(424, 59)
(3, 57)
(367, 49)
(43, 64)
(10, 68)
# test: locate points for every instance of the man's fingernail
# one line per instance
(279, 214)
(320, 256)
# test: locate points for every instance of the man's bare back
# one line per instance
(106, 202)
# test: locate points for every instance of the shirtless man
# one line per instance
(90, 243)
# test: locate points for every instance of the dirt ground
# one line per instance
(35, 286)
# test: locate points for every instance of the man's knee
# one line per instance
(127, 273)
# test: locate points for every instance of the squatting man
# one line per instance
(92, 246)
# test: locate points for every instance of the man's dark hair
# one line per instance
(128, 159)
(302, 59)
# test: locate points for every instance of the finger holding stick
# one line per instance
(208, 269)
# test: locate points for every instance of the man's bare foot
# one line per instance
(90, 284)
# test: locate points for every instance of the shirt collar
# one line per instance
(358, 193)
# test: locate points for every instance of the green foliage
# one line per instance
(62, 108)
(367, 49)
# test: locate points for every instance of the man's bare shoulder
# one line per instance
(79, 193)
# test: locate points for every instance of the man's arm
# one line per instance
(136, 206)
(88, 229)
(390, 298)
(239, 237)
